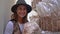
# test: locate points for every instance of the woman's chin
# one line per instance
(21, 16)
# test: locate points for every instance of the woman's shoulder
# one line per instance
(9, 28)
(11, 21)
(10, 24)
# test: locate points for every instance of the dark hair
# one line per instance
(15, 18)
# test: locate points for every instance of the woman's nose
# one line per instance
(22, 10)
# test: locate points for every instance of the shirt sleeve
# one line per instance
(9, 28)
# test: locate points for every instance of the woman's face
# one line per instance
(21, 11)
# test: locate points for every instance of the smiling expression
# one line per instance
(21, 11)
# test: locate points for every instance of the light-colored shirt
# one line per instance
(9, 27)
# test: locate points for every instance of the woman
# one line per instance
(20, 24)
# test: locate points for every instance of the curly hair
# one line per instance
(14, 17)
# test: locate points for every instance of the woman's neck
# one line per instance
(20, 19)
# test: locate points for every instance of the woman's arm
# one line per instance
(9, 28)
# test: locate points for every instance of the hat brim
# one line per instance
(14, 7)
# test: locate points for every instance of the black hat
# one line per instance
(21, 2)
